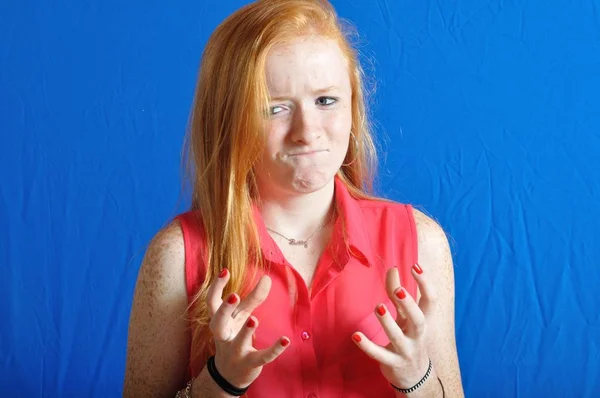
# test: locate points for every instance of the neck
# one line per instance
(297, 216)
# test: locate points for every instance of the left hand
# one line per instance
(404, 361)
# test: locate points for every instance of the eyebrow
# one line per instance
(318, 91)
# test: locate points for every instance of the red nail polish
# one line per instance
(381, 310)
(356, 337)
(232, 299)
(417, 269)
(401, 294)
(284, 342)
(251, 323)
(223, 273)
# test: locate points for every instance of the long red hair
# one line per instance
(225, 136)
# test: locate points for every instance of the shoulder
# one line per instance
(162, 274)
(430, 233)
(434, 253)
(165, 253)
(161, 277)
(169, 237)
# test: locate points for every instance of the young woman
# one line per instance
(287, 278)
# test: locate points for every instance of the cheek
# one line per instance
(341, 119)
(340, 127)
(274, 139)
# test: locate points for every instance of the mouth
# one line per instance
(307, 153)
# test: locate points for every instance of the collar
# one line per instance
(349, 238)
(351, 226)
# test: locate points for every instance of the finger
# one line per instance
(375, 351)
(414, 316)
(243, 341)
(391, 328)
(268, 355)
(392, 282)
(428, 293)
(255, 298)
(215, 291)
(220, 323)
(402, 322)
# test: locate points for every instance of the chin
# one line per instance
(312, 182)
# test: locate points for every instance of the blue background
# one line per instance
(488, 115)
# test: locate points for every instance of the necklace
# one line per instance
(298, 242)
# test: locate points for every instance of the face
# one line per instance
(309, 120)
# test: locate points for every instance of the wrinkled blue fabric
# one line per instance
(487, 116)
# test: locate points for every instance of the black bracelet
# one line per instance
(221, 382)
(419, 384)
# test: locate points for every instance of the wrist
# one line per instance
(222, 382)
(409, 378)
(205, 387)
(430, 387)
(415, 381)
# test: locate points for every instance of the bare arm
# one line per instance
(159, 338)
(436, 260)
(158, 346)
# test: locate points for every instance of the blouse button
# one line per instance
(306, 336)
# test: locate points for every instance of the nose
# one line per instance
(305, 127)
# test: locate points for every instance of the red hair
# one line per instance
(226, 135)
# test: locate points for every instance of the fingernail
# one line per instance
(417, 269)
(401, 294)
(251, 323)
(232, 299)
(356, 337)
(284, 342)
(223, 273)
(381, 310)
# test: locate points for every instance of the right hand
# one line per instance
(232, 326)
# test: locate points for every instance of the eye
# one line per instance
(326, 101)
(275, 109)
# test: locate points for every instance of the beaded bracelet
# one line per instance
(419, 384)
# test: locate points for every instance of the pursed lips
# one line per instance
(306, 153)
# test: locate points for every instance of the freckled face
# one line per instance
(309, 120)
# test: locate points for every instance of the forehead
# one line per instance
(310, 62)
